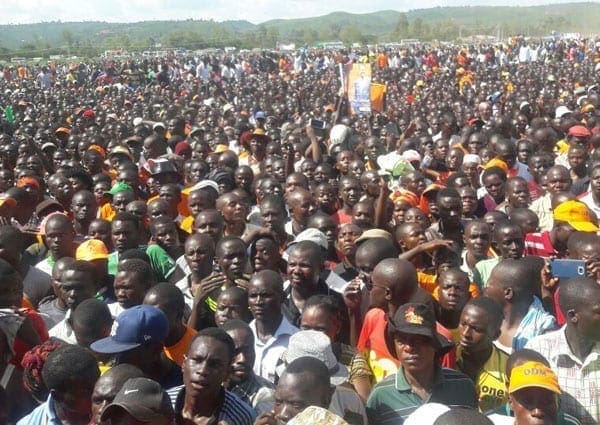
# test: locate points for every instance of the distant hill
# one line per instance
(442, 23)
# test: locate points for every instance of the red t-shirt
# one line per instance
(539, 244)
(371, 343)
(20, 346)
(340, 217)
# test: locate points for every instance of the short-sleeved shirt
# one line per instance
(539, 244)
(483, 270)
(268, 353)
(161, 262)
(491, 382)
(392, 400)
(578, 380)
(371, 343)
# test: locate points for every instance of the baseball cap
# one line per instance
(497, 162)
(312, 235)
(373, 233)
(136, 326)
(575, 213)
(92, 249)
(561, 111)
(205, 183)
(471, 158)
(533, 375)
(142, 398)
(119, 187)
(161, 165)
(579, 131)
(426, 414)
(318, 345)
(411, 155)
(417, 319)
(48, 205)
(260, 115)
(122, 150)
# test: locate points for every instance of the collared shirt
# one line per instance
(579, 381)
(44, 414)
(268, 353)
(63, 330)
(491, 382)
(232, 410)
(536, 322)
(393, 399)
(542, 207)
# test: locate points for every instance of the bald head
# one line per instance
(398, 276)
(267, 277)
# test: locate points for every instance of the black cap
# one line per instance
(142, 398)
(417, 319)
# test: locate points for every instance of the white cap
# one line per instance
(471, 158)
(205, 183)
(411, 155)
(137, 121)
(313, 235)
(338, 134)
(561, 111)
(426, 414)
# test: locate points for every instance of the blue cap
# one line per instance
(136, 326)
(260, 115)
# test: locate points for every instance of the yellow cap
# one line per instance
(220, 148)
(497, 162)
(92, 249)
(575, 213)
(533, 375)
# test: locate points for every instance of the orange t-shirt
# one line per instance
(177, 351)
(429, 283)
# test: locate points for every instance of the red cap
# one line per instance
(579, 131)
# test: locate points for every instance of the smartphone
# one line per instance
(317, 124)
(568, 269)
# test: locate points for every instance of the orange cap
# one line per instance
(577, 214)
(92, 249)
(27, 180)
(497, 162)
(533, 375)
(62, 130)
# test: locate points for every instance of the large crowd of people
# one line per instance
(221, 240)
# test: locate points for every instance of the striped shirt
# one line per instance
(392, 400)
(579, 381)
(233, 411)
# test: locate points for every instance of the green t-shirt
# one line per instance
(162, 264)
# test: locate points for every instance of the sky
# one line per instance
(255, 11)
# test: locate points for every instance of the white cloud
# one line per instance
(256, 11)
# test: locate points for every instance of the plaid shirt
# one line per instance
(579, 381)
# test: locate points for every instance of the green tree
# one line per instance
(402, 26)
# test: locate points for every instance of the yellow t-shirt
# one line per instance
(491, 383)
